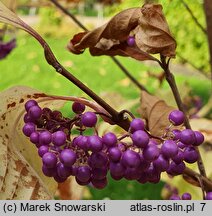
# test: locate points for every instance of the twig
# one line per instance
(193, 17)
(171, 80)
(117, 62)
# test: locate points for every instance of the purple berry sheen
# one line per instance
(186, 196)
(131, 41)
(199, 138)
(83, 173)
(99, 183)
(45, 138)
(114, 154)
(89, 119)
(35, 112)
(27, 118)
(34, 137)
(208, 195)
(49, 160)
(188, 137)
(176, 117)
(68, 157)
(117, 169)
(98, 173)
(50, 172)
(63, 171)
(161, 163)
(59, 138)
(136, 124)
(78, 107)
(95, 143)
(175, 197)
(130, 158)
(151, 152)
(109, 139)
(169, 149)
(176, 133)
(190, 155)
(140, 138)
(28, 129)
(43, 150)
(29, 104)
(98, 160)
(82, 142)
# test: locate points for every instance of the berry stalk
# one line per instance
(171, 81)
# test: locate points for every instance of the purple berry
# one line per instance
(169, 149)
(50, 172)
(175, 197)
(59, 138)
(136, 124)
(35, 112)
(186, 196)
(190, 155)
(59, 179)
(98, 160)
(176, 169)
(132, 173)
(208, 196)
(98, 173)
(188, 137)
(151, 152)
(130, 159)
(49, 160)
(28, 129)
(131, 41)
(109, 139)
(68, 157)
(43, 150)
(161, 163)
(89, 119)
(117, 169)
(34, 137)
(176, 117)
(82, 142)
(114, 154)
(78, 107)
(179, 157)
(63, 171)
(45, 138)
(199, 138)
(95, 143)
(99, 183)
(181, 145)
(82, 183)
(83, 173)
(176, 134)
(140, 138)
(30, 104)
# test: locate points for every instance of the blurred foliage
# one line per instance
(192, 42)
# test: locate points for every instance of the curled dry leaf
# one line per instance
(20, 167)
(147, 24)
(155, 111)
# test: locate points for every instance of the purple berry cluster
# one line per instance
(91, 158)
(187, 196)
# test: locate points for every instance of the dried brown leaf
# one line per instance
(155, 111)
(147, 24)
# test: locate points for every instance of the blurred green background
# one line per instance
(26, 64)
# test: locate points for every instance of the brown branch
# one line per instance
(117, 62)
(193, 17)
(171, 81)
